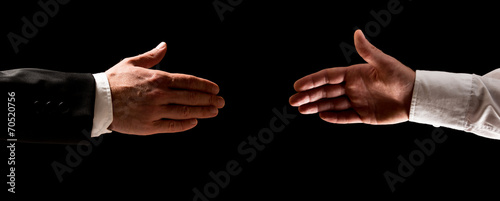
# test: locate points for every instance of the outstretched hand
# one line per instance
(147, 101)
(376, 92)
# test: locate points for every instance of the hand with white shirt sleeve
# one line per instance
(147, 101)
(384, 91)
(376, 92)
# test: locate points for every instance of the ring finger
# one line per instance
(339, 103)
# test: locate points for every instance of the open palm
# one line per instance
(377, 92)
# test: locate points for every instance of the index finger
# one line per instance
(190, 82)
(320, 78)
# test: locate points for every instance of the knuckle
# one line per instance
(308, 96)
(171, 126)
(155, 94)
(168, 79)
(156, 79)
(185, 111)
(150, 55)
(323, 93)
(129, 60)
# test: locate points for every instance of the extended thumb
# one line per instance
(366, 50)
(151, 57)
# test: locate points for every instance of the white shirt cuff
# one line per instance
(441, 99)
(103, 107)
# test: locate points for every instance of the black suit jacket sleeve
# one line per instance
(50, 106)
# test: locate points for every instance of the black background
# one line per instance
(255, 55)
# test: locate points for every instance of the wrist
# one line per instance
(408, 99)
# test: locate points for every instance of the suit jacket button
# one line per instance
(50, 107)
(62, 108)
(38, 107)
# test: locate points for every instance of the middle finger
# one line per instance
(194, 98)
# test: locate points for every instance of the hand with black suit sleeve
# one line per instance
(147, 101)
(58, 107)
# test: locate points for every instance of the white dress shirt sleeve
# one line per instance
(465, 102)
(103, 108)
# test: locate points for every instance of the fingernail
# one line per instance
(214, 110)
(161, 45)
(193, 121)
(220, 102)
(216, 89)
